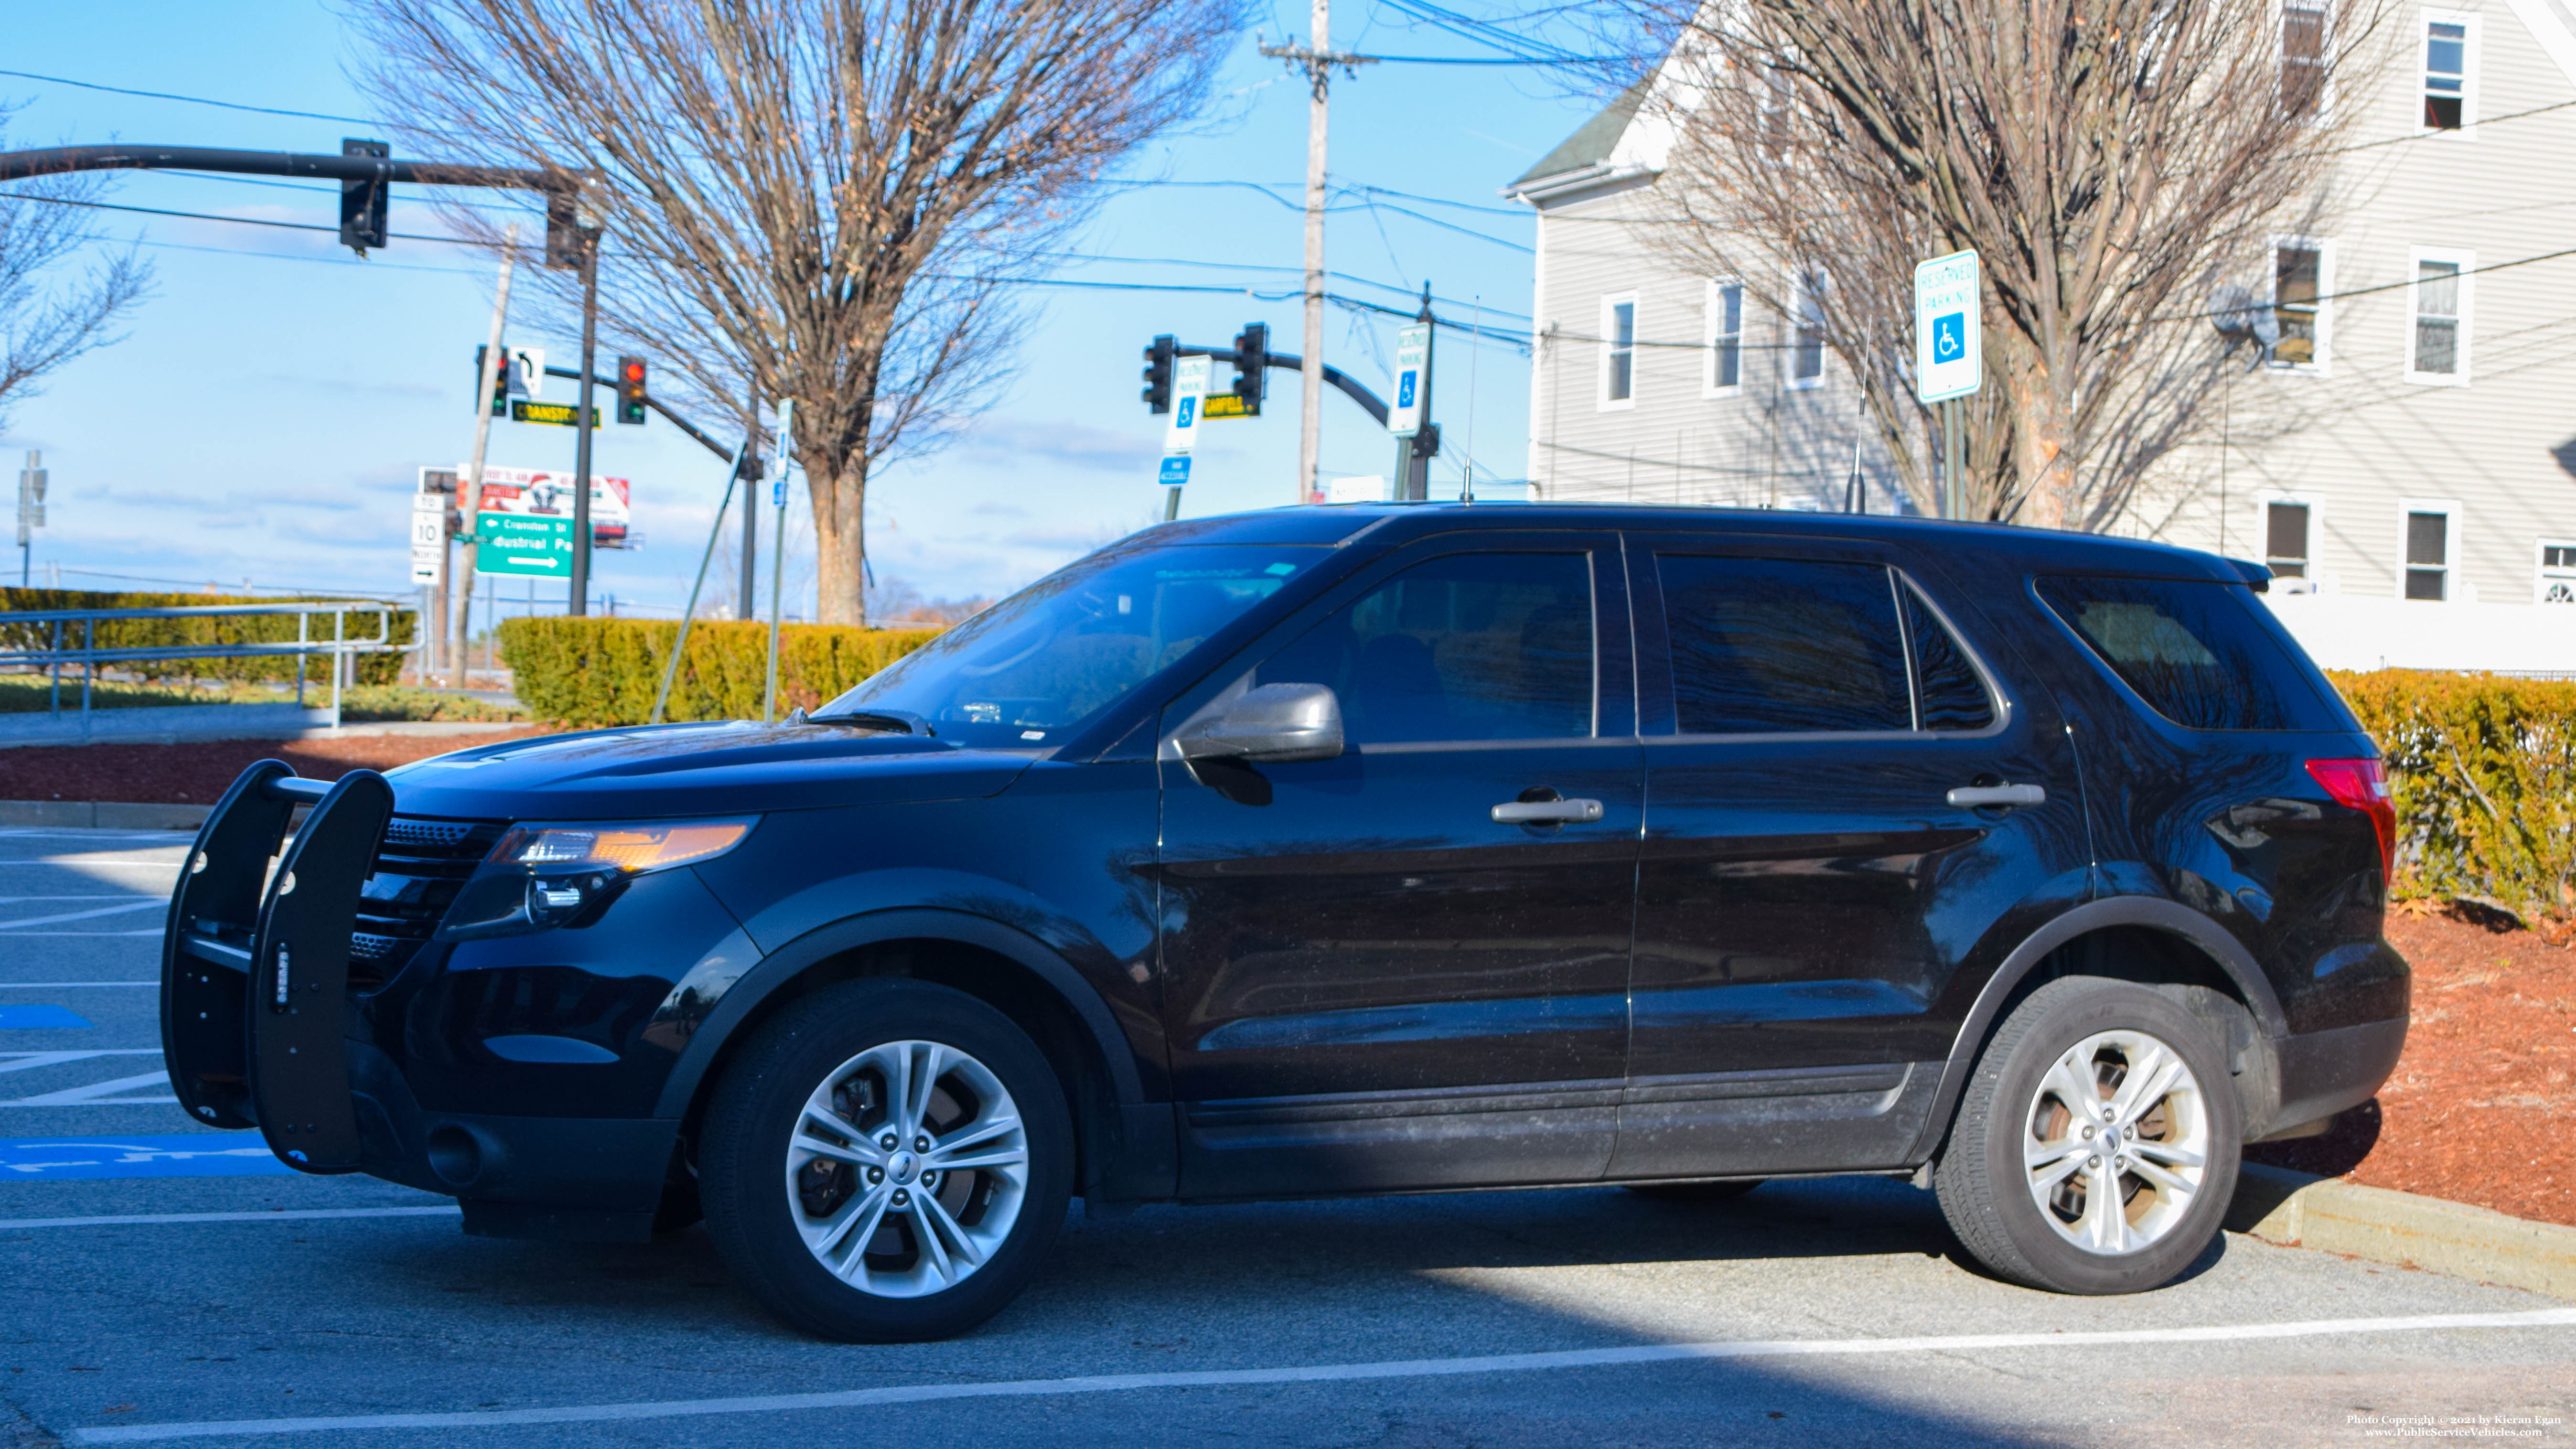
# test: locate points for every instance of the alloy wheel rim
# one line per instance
(907, 1168)
(2116, 1144)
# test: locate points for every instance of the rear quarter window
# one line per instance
(2194, 651)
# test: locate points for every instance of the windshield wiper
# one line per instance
(902, 719)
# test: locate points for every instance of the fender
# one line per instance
(791, 960)
(2152, 912)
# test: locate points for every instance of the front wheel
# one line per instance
(887, 1162)
(2095, 1149)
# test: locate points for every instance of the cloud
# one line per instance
(1017, 441)
(990, 509)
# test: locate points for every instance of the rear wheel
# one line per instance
(2096, 1146)
(887, 1162)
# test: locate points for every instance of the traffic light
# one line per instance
(1159, 357)
(500, 398)
(1252, 366)
(362, 201)
(630, 389)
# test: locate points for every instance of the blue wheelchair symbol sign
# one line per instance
(1404, 388)
(1189, 412)
(1950, 337)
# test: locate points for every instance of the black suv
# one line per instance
(1353, 850)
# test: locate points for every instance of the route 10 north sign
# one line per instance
(1949, 344)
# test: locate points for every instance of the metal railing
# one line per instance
(340, 648)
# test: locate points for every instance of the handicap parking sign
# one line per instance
(1176, 470)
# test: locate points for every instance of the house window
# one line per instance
(1807, 340)
(2428, 553)
(2303, 56)
(2450, 59)
(2557, 572)
(2438, 349)
(1618, 351)
(2296, 268)
(1725, 338)
(2285, 539)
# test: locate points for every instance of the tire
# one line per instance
(848, 1065)
(2031, 1114)
(1727, 1191)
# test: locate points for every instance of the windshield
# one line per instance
(1027, 671)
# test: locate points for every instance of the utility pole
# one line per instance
(471, 502)
(749, 608)
(581, 422)
(1318, 58)
(31, 511)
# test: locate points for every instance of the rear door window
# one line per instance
(2195, 651)
(1783, 646)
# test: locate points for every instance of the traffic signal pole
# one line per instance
(472, 502)
(581, 423)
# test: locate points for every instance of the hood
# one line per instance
(696, 769)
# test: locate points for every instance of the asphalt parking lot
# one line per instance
(161, 1284)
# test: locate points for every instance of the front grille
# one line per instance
(418, 871)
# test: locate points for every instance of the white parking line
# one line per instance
(143, 1220)
(90, 1095)
(69, 985)
(137, 903)
(1326, 1373)
(29, 1061)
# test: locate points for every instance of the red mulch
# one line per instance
(2476, 1111)
(196, 773)
(2474, 1114)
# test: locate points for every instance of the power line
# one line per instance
(56, 80)
(236, 220)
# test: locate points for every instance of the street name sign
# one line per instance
(522, 544)
(562, 415)
(1412, 358)
(1227, 405)
(1949, 341)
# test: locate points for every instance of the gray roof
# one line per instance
(1592, 144)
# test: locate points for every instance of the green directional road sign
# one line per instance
(515, 543)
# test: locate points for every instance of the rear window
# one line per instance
(2194, 651)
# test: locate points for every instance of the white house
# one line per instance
(2422, 512)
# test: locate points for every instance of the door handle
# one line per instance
(1547, 812)
(1988, 797)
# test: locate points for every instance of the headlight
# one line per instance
(626, 849)
(542, 876)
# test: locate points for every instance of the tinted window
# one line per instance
(1773, 646)
(1485, 646)
(1951, 697)
(2194, 651)
(1028, 669)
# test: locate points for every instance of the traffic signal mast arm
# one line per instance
(656, 404)
(53, 160)
(1288, 361)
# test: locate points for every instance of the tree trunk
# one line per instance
(840, 541)
(2042, 471)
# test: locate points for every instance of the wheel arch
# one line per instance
(2148, 941)
(1001, 966)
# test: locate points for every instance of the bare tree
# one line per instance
(46, 321)
(2111, 162)
(822, 200)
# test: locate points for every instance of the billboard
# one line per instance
(547, 493)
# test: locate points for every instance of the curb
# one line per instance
(101, 815)
(2374, 1223)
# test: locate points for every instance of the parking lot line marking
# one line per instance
(291, 1215)
(85, 935)
(182, 1154)
(68, 985)
(1325, 1373)
(139, 903)
(29, 1061)
(41, 1018)
(78, 1096)
(13, 900)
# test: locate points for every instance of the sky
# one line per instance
(264, 417)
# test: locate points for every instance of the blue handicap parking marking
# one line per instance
(186, 1154)
(40, 1018)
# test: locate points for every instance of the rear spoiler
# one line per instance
(2256, 576)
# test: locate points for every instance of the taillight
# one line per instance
(2361, 785)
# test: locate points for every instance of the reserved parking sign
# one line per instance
(1949, 344)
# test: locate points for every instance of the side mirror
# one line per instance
(1273, 724)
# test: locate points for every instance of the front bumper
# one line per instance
(259, 1030)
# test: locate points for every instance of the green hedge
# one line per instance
(594, 672)
(178, 633)
(2483, 770)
